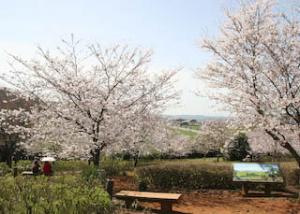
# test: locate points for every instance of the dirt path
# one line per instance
(221, 202)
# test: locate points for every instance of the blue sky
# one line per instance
(172, 28)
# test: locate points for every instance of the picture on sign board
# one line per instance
(257, 172)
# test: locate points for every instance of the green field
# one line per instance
(191, 134)
(192, 126)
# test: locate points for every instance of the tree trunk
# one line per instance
(96, 156)
(135, 160)
(292, 150)
(9, 161)
(285, 145)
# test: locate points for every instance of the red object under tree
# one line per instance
(47, 169)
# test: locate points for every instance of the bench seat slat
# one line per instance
(148, 195)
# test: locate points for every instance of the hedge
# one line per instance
(187, 176)
(191, 176)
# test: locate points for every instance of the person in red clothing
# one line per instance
(47, 168)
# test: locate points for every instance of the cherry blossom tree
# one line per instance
(261, 143)
(88, 90)
(176, 146)
(255, 70)
(171, 143)
(152, 135)
(14, 123)
(148, 134)
(140, 137)
(213, 135)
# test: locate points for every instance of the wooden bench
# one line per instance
(165, 199)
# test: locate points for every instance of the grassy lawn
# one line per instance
(75, 165)
(185, 132)
(194, 127)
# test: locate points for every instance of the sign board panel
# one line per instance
(257, 172)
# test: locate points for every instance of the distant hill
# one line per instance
(199, 118)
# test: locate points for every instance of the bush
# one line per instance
(92, 173)
(115, 167)
(237, 148)
(4, 169)
(51, 195)
(187, 176)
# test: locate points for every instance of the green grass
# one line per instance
(194, 127)
(187, 133)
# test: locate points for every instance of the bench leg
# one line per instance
(245, 189)
(166, 207)
(267, 189)
(128, 203)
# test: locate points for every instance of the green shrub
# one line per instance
(92, 173)
(51, 195)
(4, 169)
(115, 167)
(187, 176)
(238, 148)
